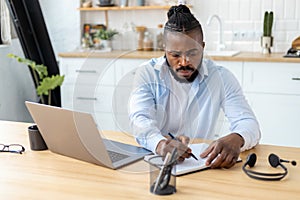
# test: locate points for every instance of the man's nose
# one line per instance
(184, 60)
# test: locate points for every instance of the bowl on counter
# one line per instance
(105, 3)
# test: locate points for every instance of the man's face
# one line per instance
(184, 53)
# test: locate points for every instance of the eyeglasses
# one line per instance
(12, 148)
(189, 55)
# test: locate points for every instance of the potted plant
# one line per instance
(103, 38)
(45, 85)
(267, 38)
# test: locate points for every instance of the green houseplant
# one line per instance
(268, 24)
(44, 83)
(106, 34)
(267, 38)
(104, 37)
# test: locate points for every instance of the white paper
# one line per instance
(189, 164)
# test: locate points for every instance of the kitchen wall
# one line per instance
(62, 20)
(242, 22)
(244, 18)
(16, 85)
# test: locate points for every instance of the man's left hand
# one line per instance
(224, 152)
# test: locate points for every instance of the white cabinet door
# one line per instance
(100, 87)
(88, 87)
(89, 71)
(105, 121)
(125, 72)
(124, 69)
(278, 118)
(274, 78)
(273, 91)
(222, 126)
(235, 67)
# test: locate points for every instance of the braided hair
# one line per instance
(180, 19)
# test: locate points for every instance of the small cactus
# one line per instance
(268, 23)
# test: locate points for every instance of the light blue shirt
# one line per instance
(215, 88)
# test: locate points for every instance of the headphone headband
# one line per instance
(274, 162)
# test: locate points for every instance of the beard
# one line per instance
(185, 80)
(186, 68)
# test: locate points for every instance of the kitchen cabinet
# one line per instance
(125, 71)
(235, 67)
(278, 118)
(88, 87)
(273, 91)
(99, 86)
(222, 126)
(274, 78)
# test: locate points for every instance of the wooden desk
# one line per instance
(45, 175)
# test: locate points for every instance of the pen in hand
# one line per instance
(174, 138)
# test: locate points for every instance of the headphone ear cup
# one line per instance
(274, 160)
(251, 160)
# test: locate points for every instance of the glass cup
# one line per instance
(162, 180)
(123, 3)
(140, 2)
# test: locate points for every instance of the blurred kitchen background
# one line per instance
(241, 21)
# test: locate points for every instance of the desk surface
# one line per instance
(45, 175)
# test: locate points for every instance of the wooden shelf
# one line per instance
(127, 8)
(118, 8)
(4, 45)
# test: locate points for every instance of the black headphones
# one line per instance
(274, 161)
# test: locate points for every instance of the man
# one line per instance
(182, 93)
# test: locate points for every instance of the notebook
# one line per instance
(75, 134)
(190, 165)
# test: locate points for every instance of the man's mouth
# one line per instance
(185, 69)
(185, 74)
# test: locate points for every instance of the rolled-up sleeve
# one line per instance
(237, 110)
(143, 110)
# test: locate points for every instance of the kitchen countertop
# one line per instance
(242, 56)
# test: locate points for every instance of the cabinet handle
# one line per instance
(87, 98)
(86, 71)
(296, 79)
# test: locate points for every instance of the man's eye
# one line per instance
(193, 54)
(175, 55)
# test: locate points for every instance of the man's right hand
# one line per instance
(165, 146)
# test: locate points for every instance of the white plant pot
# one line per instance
(106, 45)
(266, 44)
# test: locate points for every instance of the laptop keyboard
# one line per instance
(115, 156)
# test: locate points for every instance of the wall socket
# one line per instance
(245, 35)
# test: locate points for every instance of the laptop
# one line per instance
(75, 134)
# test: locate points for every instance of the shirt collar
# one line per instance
(203, 70)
